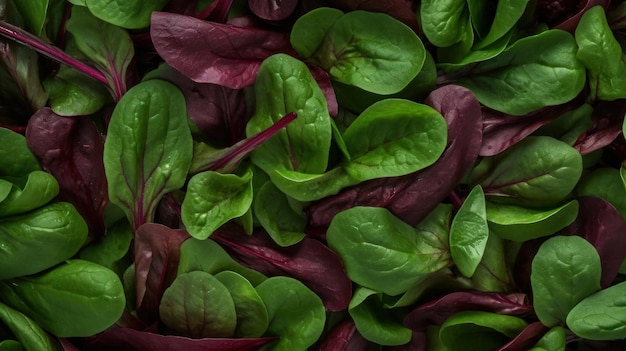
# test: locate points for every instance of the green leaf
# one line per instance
(374, 322)
(602, 54)
(553, 340)
(283, 224)
(311, 187)
(521, 224)
(10, 345)
(565, 270)
(394, 137)
(309, 30)
(605, 183)
(283, 85)
(601, 315)
(109, 47)
(27, 332)
(40, 188)
(76, 298)
(569, 126)
(493, 273)
(110, 250)
(132, 14)
(534, 72)
(16, 159)
(34, 13)
(479, 331)
(450, 60)
(372, 51)
(469, 233)
(444, 22)
(208, 256)
(507, 13)
(148, 148)
(383, 253)
(213, 199)
(252, 318)
(37, 240)
(537, 172)
(198, 305)
(296, 314)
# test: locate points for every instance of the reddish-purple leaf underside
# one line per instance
(344, 337)
(273, 10)
(526, 339)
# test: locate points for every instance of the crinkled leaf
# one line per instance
(72, 150)
(39, 189)
(76, 298)
(469, 233)
(209, 52)
(282, 223)
(285, 85)
(30, 335)
(601, 315)
(296, 315)
(198, 305)
(480, 331)
(564, 272)
(444, 22)
(534, 72)
(133, 14)
(148, 148)
(37, 240)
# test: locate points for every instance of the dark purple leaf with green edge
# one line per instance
(208, 52)
(227, 160)
(565, 14)
(309, 261)
(526, 339)
(413, 196)
(344, 337)
(402, 10)
(71, 150)
(157, 250)
(437, 311)
(135, 340)
(273, 10)
(600, 224)
(608, 117)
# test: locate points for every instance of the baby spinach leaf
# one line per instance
(30, 335)
(375, 323)
(606, 184)
(34, 14)
(402, 137)
(311, 187)
(381, 58)
(213, 199)
(553, 340)
(309, 30)
(480, 331)
(296, 315)
(493, 272)
(148, 148)
(273, 211)
(252, 318)
(72, 93)
(601, 315)
(110, 250)
(602, 54)
(133, 14)
(564, 272)
(76, 298)
(283, 85)
(444, 22)
(16, 159)
(381, 252)
(450, 60)
(507, 13)
(536, 172)
(521, 224)
(39, 189)
(32, 242)
(469, 233)
(198, 305)
(534, 72)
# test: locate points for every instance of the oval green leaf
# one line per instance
(272, 209)
(601, 316)
(16, 159)
(444, 22)
(30, 336)
(132, 14)
(40, 188)
(311, 187)
(310, 29)
(479, 331)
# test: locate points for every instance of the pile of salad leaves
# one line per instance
(312, 175)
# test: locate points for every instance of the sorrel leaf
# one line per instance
(76, 298)
(394, 137)
(382, 59)
(282, 223)
(477, 330)
(40, 239)
(601, 315)
(505, 83)
(197, 305)
(469, 233)
(564, 272)
(148, 148)
(28, 333)
(296, 315)
(285, 85)
(213, 199)
(133, 14)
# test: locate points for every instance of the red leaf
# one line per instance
(273, 10)
(344, 337)
(608, 117)
(526, 339)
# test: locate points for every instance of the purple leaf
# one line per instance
(209, 52)
(607, 118)
(157, 251)
(273, 10)
(413, 196)
(565, 14)
(309, 261)
(402, 10)
(344, 337)
(526, 339)
(71, 150)
(437, 311)
(134, 340)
